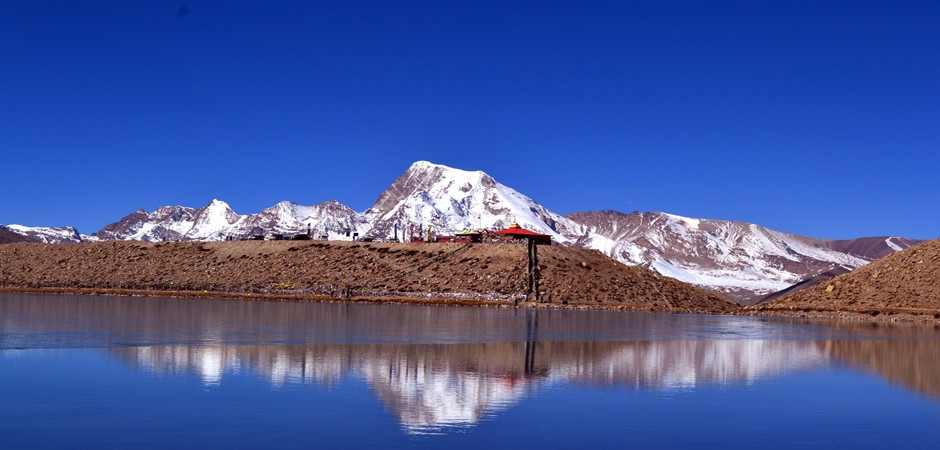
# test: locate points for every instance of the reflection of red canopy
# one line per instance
(517, 232)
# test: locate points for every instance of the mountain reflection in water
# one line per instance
(434, 385)
(437, 367)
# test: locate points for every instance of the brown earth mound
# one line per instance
(313, 269)
(905, 283)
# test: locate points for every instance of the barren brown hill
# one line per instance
(314, 269)
(907, 282)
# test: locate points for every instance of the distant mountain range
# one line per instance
(19, 233)
(746, 261)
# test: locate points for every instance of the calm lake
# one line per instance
(126, 372)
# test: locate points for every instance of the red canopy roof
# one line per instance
(516, 230)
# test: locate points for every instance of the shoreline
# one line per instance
(889, 316)
(286, 297)
(871, 315)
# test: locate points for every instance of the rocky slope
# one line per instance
(907, 282)
(741, 259)
(483, 272)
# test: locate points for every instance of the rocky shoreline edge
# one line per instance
(399, 300)
(887, 315)
(919, 317)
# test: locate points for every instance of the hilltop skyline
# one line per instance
(817, 120)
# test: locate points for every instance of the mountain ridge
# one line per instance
(746, 261)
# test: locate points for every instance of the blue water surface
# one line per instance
(113, 372)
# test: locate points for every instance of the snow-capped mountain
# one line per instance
(167, 223)
(331, 219)
(217, 221)
(212, 222)
(8, 236)
(451, 200)
(49, 235)
(741, 259)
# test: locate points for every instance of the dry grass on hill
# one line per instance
(314, 269)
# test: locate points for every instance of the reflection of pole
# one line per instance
(531, 340)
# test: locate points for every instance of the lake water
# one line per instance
(126, 372)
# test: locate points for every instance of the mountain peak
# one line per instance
(451, 200)
(216, 203)
(423, 165)
(212, 221)
(427, 166)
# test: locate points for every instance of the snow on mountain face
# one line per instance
(217, 221)
(167, 223)
(212, 222)
(890, 242)
(331, 219)
(451, 200)
(8, 236)
(49, 235)
(743, 260)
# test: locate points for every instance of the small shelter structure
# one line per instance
(469, 235)
(516, 232)
(532, 239)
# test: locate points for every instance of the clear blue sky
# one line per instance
(813, 117)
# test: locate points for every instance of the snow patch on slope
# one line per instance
(741, 259)
(893, 245)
